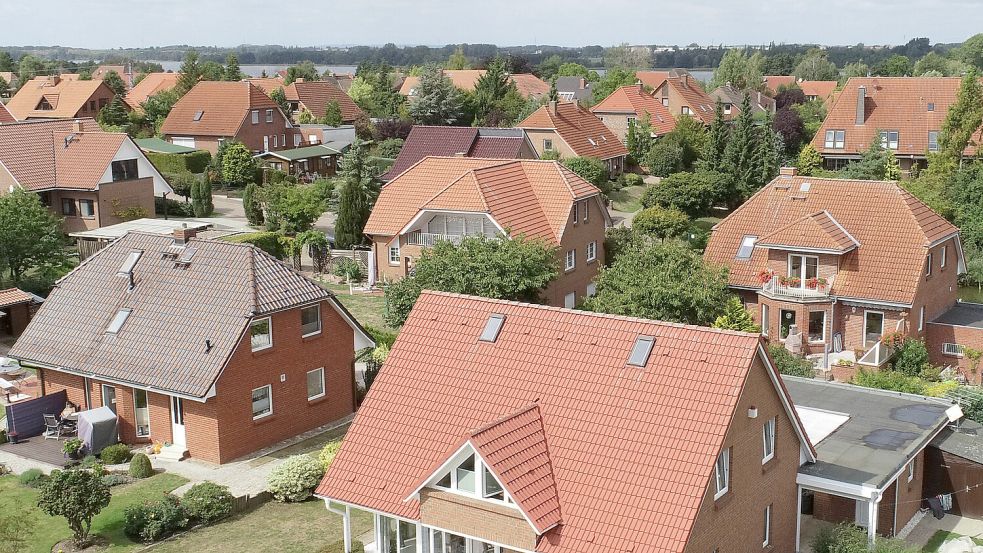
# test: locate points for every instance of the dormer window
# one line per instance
(491, 489)
(472, 477)
(686, 111)
(728, 108)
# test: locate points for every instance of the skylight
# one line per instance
(131, 260)
(492, 328)
(592, 143)
(198, 115)
(118, 320)
(187, 254)
(747, 246)
(641, 350)
(805, 186)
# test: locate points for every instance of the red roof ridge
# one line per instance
(504, 418)
(473, 174)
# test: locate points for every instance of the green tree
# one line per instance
(157, 107)
(790, 364)
(303, 70)
(736, 317)
(238, 165)
(252, 204)
(931, 62)
(201, 198)
(290, 208)
(458, 60)
(576, 70)
(232, 71)
(911, 358)
(894, 66)
(971, 51)
(514, 268)
(716, 143)
(306, 117)
(115, 83)
(114, 113)
(611, 81)
(280, 97)
(590, 169)
(856, 69)
(639, 137)
(767, 154)
(362, 93)
(691, 136)
(739, 155)
(815, 66)
(212, 71)
(332, 114)
(355, 196)
(664, 158)
(810, 162)
(4, 88)
(438, 101)
(28, 67)
(961, 122)
(627, 56)
(7, 62)
(190, 73)
(661, 223)
(30, 235)
(76, 494)
(665, 282)
(739, 70)
(490, 89)
(692, 193)
(872, 165)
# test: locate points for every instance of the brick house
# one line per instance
(481, 142)
(683, 95)
(570, 130)
(314, 97)
(813, 90)
(215, 111)
(16, 309)
(837, 264)
(56, 97)
(529, 85)
(629, 104)
(447, 198)
(84, 175)
(214, 347)
(904, 113)
(578, 431)
(731, 99)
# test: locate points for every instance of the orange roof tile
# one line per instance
(820, 89)
(224, 106)
(652, 79)
(66, 97)
(13, 296)
(528, 85)
(892, 226)
(529, 197)
(269, 84)
(579, 128)
(632, 99)
(151, 84)
(609, 431)
(772, 82)
(892, 104)
(700, 103)
(315, 95)
(817, 231)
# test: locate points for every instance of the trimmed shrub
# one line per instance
(788, 363)
(692, 193)
(664, 159)
(154, 520)
(267, 241)
(390, 147)
(295, 479)
(327, 454)
(115, 479)
(911, 359)
(194, 162)
(182, 182)
(140, 466)
(31, 478)
(889, 380)
(174, 208)
(632, 179)
(116, 454)
(207, 502)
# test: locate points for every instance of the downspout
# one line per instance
(345, 525)
(873, 503)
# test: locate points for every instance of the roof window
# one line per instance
(931, 106)
(186, 254)
(592, 142)
(492, 328)
(198, 115)
(747, 246)
(805, 186)
(129, 263)
(641, 350)
(118, 320)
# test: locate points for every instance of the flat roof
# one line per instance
(883, 431)
(161, 146)
(963, 314)
(964, 440)
(306, 152)
(149, 226)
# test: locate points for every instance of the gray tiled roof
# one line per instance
(175, 310)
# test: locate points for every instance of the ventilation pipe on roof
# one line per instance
(861, 104)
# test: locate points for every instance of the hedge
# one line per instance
(269, 242)
(175, 208)
(195, 162)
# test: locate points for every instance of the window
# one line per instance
(835, 139)
(767, 540)
(727, 108)
(571, 261)
(889, 140)
(686, 111)
(928, 264)
(631, 121)
(262, 402)
(125, 169)
(310, 320)
(945, 254)
(591, 289)
(911, 470)
(641, 351)
(198, 115)
(817, 326)
(586, 209)
(722, 473)
(130, 262)
(570, 300)
(953, 350)
(491, 489)
(576, 209)
(466, 476)
(315, 384)
(117, 323)
(141, 413)
(87, 208)
(765, 316)
(493, 326)
(297, 138)
(68, 207)
(873, 327)
(394, 253)
(269, 116)
(255, 116)
(921, 318)
(665, 102)
(768, 439)
(592, 251)
(260, 334)
(275, 141)
(931, 106)
(547, 144)
(933, 141)
(802, 267)
(787, 320)
(747, 247)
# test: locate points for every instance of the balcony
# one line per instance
(794, 288)
(427, 239)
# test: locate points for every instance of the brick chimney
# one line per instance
(54, 79)
(861, 104)
(788, 171)
(641, 88)
(553, 107)
(78, 126)
(685, 80)
(183, 234)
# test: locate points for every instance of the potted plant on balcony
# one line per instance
(792, 281)
(765, 275)
(816, 283)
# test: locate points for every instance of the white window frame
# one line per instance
(570, 300)
(886, 141)
(781, 319)
(953, 350)
(269, 322)
(727, 108)
(136, 410)
(835, 139)
(591, 289)
(269, 392)
(591, 251)
(665, 101)
(394, 258)
(586, 209)
(269, 116)
(928, 265)
(911, 470)
(765, 316)
(933, 145)
(863, 329)
(548, 144)
(92, 208)
(767, 540)
(576, 212)
(748, 242)
(768, 440)
(685, 110)
(823, 336)
(943, 256)
(317, 308)
(323, 388)
(255, 117)
(722, 469)
(802, 268)
(570, 262)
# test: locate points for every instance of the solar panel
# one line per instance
(492, 328)
(641, 350)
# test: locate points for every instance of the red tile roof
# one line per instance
(497, 147)
(817, 230)
(579, 128)
(652, 79)
(13, 296)
(527, 196)
(224, 106)
(820, 89)
(633, 100)
(895, 104)
(425, 140)
(772, 82)
(631, 449)
(5, 116)
(700, 103)
(315, 95)
(269, 84)
(66, 97)
(151, 84)
(529, 85)
(892, 226)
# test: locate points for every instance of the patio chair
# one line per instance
(52, 428)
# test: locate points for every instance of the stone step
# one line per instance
(173, 453)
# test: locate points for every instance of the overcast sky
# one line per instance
(90, 23)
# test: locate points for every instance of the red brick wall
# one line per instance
(938, 334)
(802, 311)
(130, 193)
(54, 381)
(576, 237)
(937, 292)
(852, 321)
(909, 494)
(252, 135)
(833, 508)
(735, 522)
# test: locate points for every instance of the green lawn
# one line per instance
(367, 309)
(941, 537)
(706, 223)
(281, 527)
(108, 524)
(628, 199)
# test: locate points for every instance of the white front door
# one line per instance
(862, 517)
(177, 422)
(266, 144)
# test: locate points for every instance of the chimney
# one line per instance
(641, 88)
(78, 126)
(861, 104)
(54, 79)
(788, 171)
(685, 80)
(553, 107)
(183, 234)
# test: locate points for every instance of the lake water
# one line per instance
(257, 70)
(971, 294)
